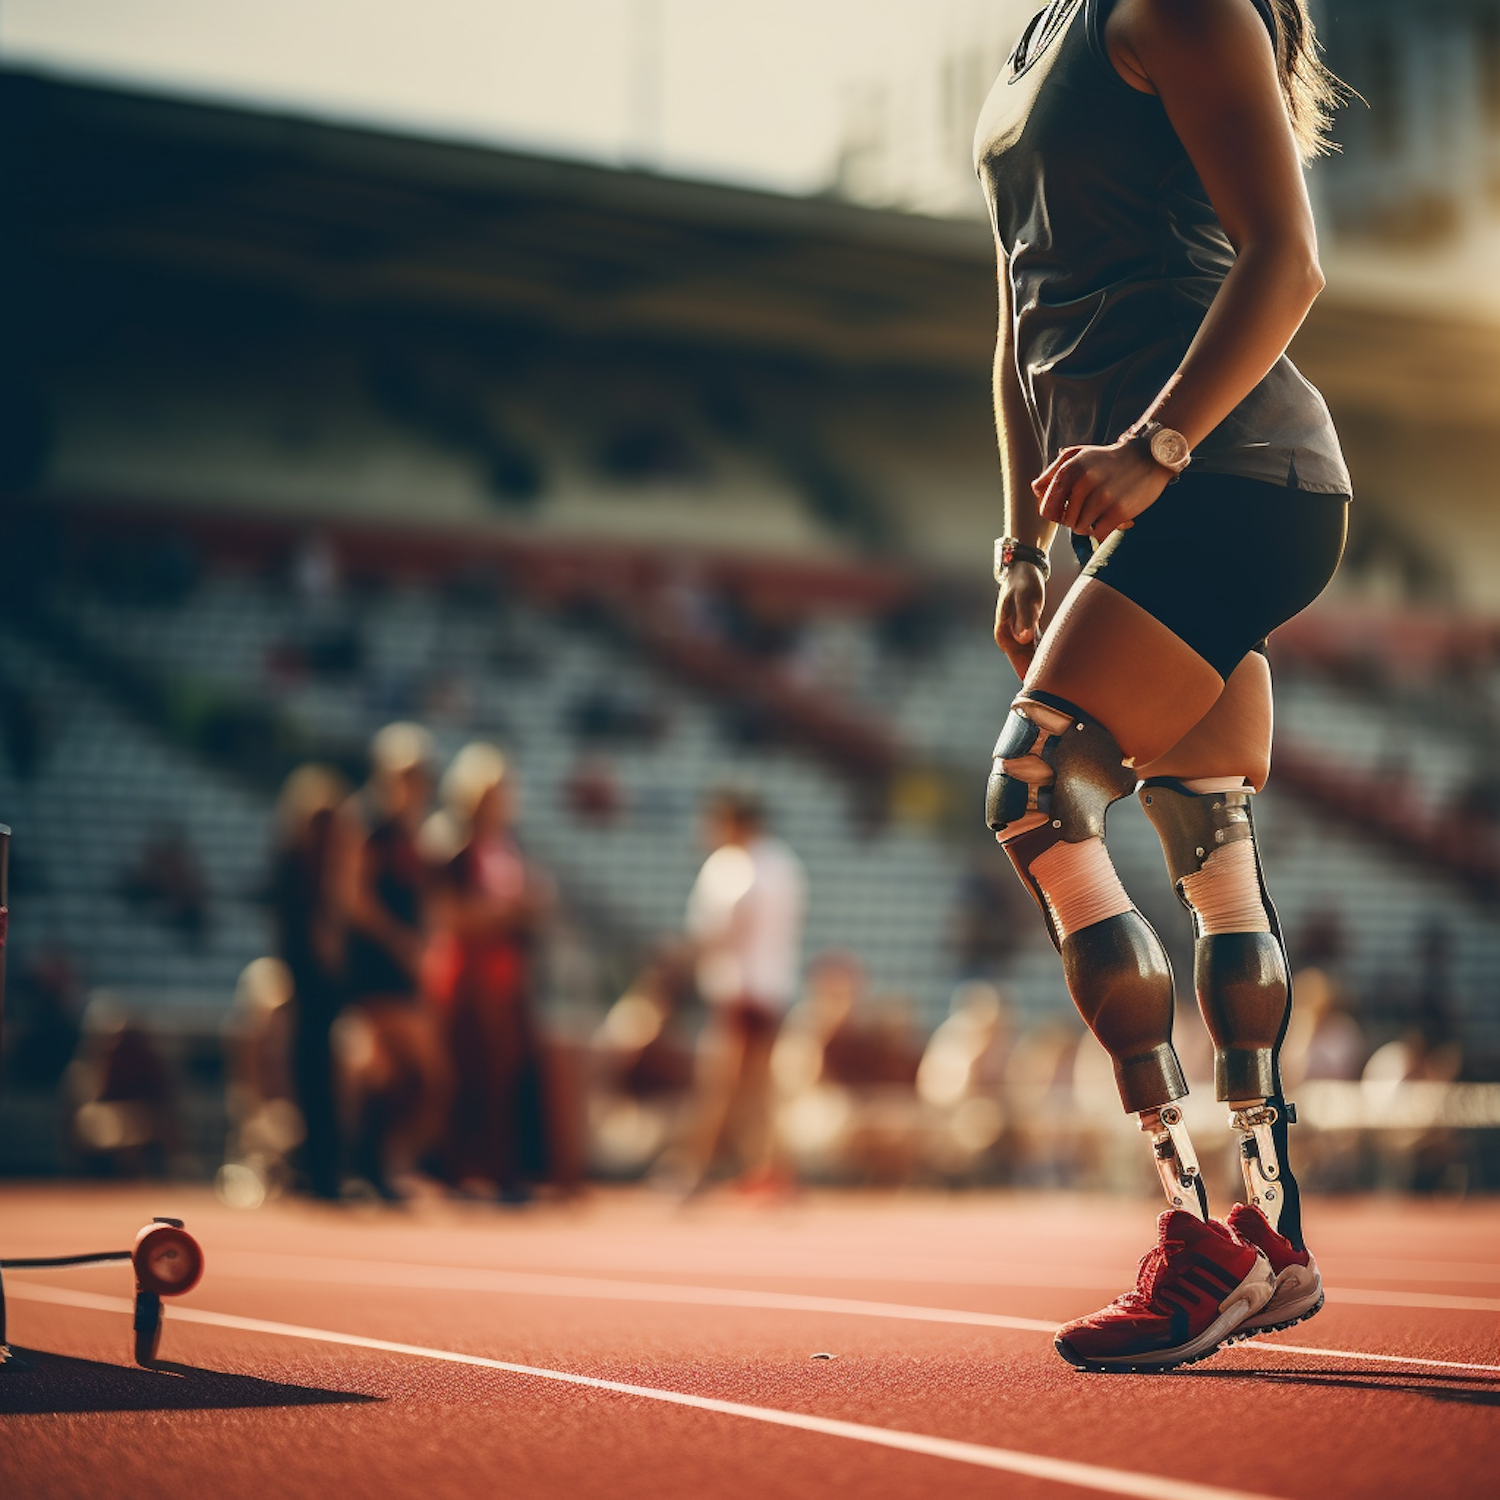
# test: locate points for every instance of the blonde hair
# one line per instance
(308, 791)
(478, 768)
(400, 748)
(1311, 91)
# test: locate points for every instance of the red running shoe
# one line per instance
(1195, 1288)
(1299, 1287)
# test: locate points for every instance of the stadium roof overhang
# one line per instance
(100, 181)
(356, 218)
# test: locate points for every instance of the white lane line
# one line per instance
(273, 1267)
(1413, 1299)
(445, 1278)
(1261, 1346)
(1417, 1270)
(1009, 1460)
(270, 1265)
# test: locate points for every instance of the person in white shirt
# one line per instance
(744, 920)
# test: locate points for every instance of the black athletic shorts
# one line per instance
(1222, 560)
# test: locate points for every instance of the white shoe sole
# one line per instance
(1243, 1303)
(1298, 1296)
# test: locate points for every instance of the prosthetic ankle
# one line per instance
(1056, 771)
(1240, 971)
(1254, 1121)
(1176, 1161)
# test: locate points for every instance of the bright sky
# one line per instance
(750, 90)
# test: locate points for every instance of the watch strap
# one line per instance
(1009, 550)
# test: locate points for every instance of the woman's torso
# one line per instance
(495, 965)
(304, 917)
(1115, 253)
(395, 873)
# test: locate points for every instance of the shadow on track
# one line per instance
(1463, 1390)
(56, 1383)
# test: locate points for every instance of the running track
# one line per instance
(622, 1348)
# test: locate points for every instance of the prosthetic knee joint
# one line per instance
(1055, 773)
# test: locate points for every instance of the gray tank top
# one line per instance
(1115, 254)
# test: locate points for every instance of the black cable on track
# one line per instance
(41, 1262)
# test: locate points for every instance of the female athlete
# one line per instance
(1142, 160)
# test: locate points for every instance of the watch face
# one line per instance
(1169, 448)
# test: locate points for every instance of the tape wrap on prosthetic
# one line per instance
(1240, 977)
(1117, 970)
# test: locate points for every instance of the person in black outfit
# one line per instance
(311, 942)
(401, 1081)
(1142, 161)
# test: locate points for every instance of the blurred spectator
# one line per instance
(266, 1123)
(1322, 940)
(125, 1103)
(488, 907)
(592, 791)
(42, 1020)
(810, 1063)
(641, 1066)
(961, 1073)
(745, 920)
(310, 936)
(1323, 1040)
(392, 1045)
(168, 878)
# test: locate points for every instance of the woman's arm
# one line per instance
(1022, 588)
(1211, 63)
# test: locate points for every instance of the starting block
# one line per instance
(167, 1262)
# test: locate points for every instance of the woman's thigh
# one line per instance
(1232, 739)
(1121, 665)
(1169, 611)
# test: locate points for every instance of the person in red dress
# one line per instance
(489, 905)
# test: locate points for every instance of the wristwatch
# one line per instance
(1166, 445)
(1008, 550)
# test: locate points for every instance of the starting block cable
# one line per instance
(46, 1262)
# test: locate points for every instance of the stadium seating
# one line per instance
(573, 696)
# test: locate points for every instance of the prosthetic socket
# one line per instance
(1239, 971)
(1054, 775)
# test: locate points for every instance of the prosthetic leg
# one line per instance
(1054, 775)
(1240, 973)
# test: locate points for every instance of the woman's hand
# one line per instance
(1018, 613)
(1096, 490)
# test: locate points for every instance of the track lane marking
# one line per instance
(1082, 1475)
(1372, 1298)
(724, 1297)
(539, 1284)
(262, 1266)
(1262, 1347)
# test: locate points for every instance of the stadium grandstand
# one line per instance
(658, 484)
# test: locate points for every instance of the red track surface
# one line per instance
(255, 1412)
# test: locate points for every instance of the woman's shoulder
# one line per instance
(1190, 21)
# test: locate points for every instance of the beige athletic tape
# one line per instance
(1226, 891)
(1080, 884)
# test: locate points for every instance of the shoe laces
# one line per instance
(1154, 1264)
